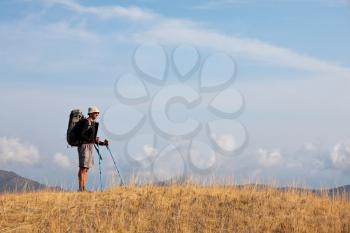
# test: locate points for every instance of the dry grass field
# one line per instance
(187, 208)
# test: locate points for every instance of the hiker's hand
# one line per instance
(97, 140)
(106, 142)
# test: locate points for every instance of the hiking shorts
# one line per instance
(85, 155)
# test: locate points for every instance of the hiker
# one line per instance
(88, 139)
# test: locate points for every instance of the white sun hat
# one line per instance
(93, 109)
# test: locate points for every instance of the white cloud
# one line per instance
(311, 146)
(62, 160)
(340, 155)
(150, 150)
(55, 47)
(311, 156)
(215, 4)
(225, 141)
(184, 31)
(269, 158)
(169, 164)
(167, 30)
(104, 12)
(13, 150)
(202, 155)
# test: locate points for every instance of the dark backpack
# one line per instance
(76, 119)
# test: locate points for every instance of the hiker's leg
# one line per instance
(85, 177)
(80, 177)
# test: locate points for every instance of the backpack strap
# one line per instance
(96, 129)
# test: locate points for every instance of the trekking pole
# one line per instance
(115, 165)
(99, 163)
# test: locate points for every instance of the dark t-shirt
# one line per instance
(88, 132)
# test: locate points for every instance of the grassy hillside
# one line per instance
(174, 209)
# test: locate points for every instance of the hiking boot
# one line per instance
(85, 190)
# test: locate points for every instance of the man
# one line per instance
(88, 137)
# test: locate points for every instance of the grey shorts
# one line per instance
(85, 155)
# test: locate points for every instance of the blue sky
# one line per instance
(293, 70)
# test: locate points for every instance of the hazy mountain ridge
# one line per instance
(12, 182)
(336, 191)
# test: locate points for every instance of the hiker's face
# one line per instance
(94, 115)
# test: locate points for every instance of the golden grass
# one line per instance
(187, 208)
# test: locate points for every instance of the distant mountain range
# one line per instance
(337, 191)
(11, 182)
(340, 190)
